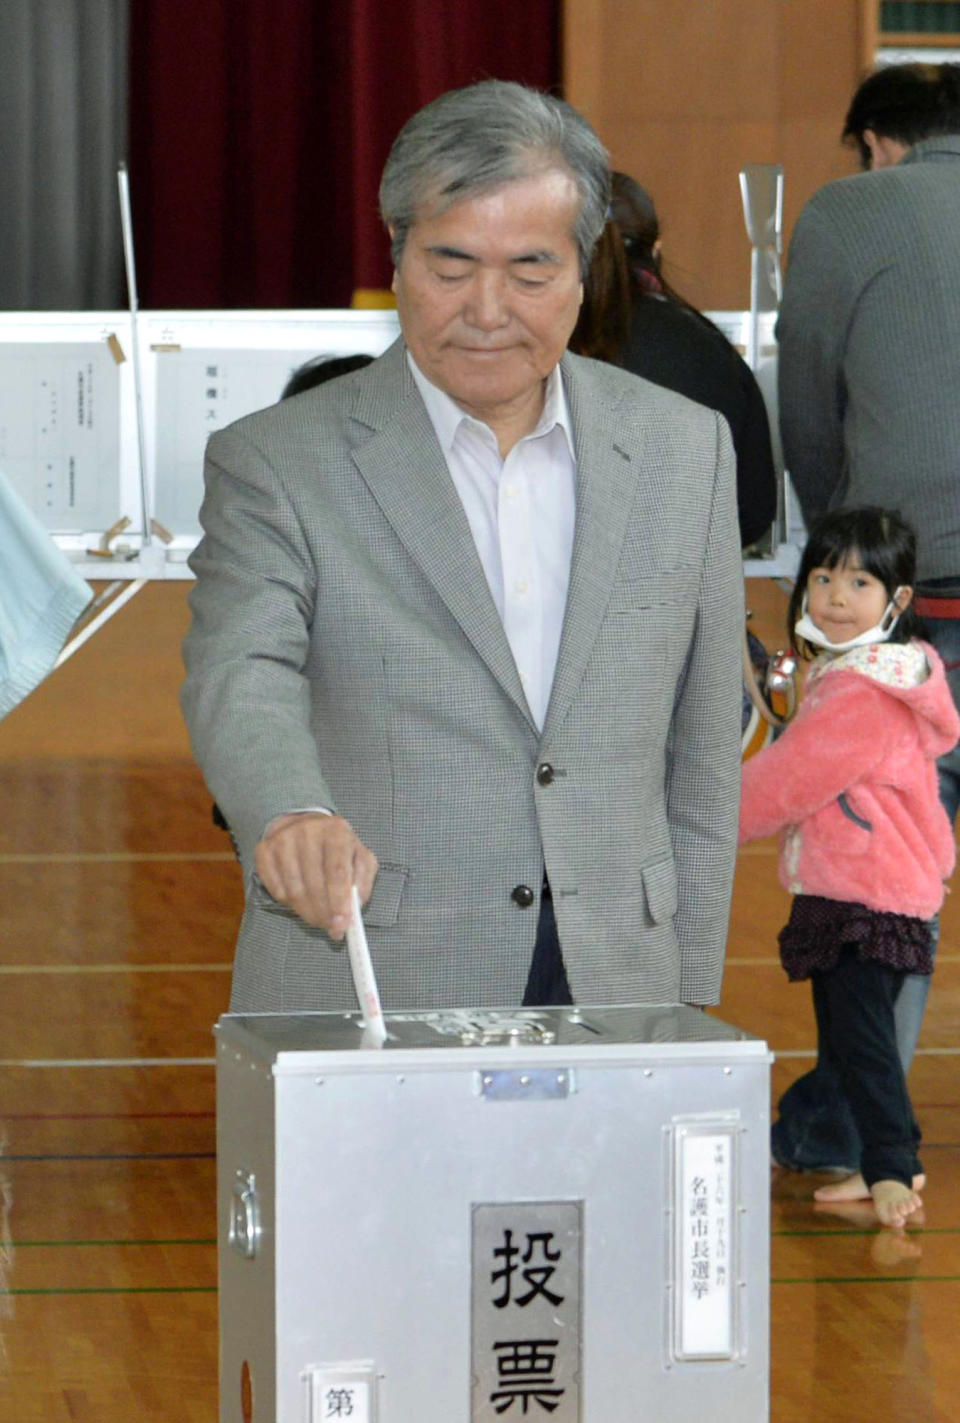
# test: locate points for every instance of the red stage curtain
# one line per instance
(258, 129)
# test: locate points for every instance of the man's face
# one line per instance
(488, 294)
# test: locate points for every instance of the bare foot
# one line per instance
(863, 1216)
(855, 1188)
(894, 1202)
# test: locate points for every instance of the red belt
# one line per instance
(937, 607)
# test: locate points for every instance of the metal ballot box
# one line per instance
(557, 1214)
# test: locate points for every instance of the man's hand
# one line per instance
(310, 863)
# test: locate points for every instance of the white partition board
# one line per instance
(784, 555)
(734, 325)
(68, 415)
(203, 370)
(68, 440)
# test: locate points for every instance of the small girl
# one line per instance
(865, 844)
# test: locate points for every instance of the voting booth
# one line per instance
(545, 1213)
(104, 417)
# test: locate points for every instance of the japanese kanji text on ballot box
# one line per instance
(545, 1214)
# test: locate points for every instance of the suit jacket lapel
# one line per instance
(606, 489)
(405, 470)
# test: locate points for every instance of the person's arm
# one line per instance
(818, 301)
(703, 749)
(246, 698)
(819, 756)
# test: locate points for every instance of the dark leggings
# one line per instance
(854, 1007)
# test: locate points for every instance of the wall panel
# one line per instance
(684, 94)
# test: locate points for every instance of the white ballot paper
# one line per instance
(364, 979)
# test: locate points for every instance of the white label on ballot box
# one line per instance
(704, 1252)
(346, 1391)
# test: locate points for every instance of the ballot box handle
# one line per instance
(244, 1232)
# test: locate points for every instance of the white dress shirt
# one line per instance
(521, 511)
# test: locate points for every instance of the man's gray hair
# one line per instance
(473, 140)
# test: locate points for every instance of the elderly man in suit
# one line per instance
(466, 623)
(869, 334)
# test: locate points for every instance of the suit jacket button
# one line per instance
(545, 773)
(522, 895)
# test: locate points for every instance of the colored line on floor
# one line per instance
(24, 970)
(120, 1290)
(72, 1244)
(112, 1156)
(105, 1116)
(72, 1062)
(212, 1289)
(850, 1232)
(869, 1280)
(920, 1052)
(108, 1062)
(774, 962)
(917, 1231)
(124, 857)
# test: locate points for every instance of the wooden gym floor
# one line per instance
(119, 903)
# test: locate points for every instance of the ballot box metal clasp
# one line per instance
(245, 1228)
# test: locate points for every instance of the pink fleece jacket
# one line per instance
(852, 783)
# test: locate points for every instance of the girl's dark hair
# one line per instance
(886, 546)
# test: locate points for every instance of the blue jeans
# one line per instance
(815, 1127)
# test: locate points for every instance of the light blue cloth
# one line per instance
(41, 597)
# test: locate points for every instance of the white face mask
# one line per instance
(807, 629)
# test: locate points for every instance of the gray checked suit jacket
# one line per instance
(345, 651)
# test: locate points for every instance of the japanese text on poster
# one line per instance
(60, 432)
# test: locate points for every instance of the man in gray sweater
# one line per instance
(869, 335)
